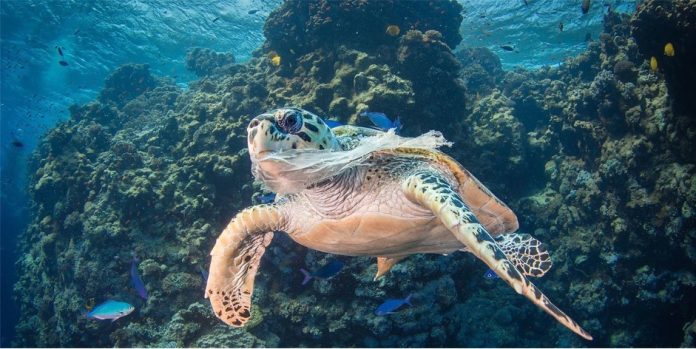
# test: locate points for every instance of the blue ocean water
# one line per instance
(96, 37)
(533, 28)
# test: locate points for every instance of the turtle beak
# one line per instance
(258, 135)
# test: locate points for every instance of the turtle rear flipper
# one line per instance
(528, 254)
(385, 264)
(235, 260)
(434, 192)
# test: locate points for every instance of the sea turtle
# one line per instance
(387, 201)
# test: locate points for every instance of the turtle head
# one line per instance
(284, 129)
(284, 144)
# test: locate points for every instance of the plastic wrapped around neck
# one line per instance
(292, 171)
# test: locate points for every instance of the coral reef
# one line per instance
(616, 189)
(298, 27)
(481, 67)
(204, 61)
(126, 83)
(426, 60)
(657, 23)
(590, 155)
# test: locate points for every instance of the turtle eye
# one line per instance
(290, 121)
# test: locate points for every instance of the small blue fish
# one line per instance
(490, 274)
(390, 306)
(110, 310)
(382, 122)
(325, 272)
(137, 281)
(267, 198)
(333, 123)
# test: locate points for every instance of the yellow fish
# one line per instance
(274, 57)
(669, 50)
(393, 30)
(653, 63)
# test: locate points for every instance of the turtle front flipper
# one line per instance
(434, 192)
(235, 260)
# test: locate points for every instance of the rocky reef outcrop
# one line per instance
(658, 23)
(204, 61)
(339, 59)
(298, 27)
(480, 67)
(591, 155)
(607, 180)
(126, 83)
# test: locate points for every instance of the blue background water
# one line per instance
(98, 36)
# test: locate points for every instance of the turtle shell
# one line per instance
(490, 211)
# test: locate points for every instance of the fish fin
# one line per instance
(235, 260)
(408, 299)
(307, 276)
(267, 198)
(529, 255)
(490, 274)
(333, 123)
(436, 193)
(204, 274)
(379, 119)
(137, 281)
(384, 264)
(398, 125)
